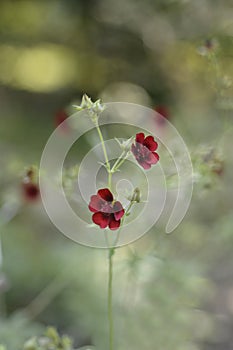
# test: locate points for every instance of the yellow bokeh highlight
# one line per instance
(42, 68)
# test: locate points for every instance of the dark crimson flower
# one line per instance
(31, 191)
(209, 46)
(164, 112)
(60, 117)
(144, 150)
(218, 168)
(107, 211)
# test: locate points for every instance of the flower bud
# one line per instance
(136, 196)
(94, 108)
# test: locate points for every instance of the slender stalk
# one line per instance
(110, 308)
(110, 180)
(117, 162)
(122, 222)
(103, 146)
(121, 162)
(105, 156)
(110, 279)
(110, 171)
(111, 250)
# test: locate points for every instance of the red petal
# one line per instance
(145, 165)
(60, 117)
(153, 158)
(156, 156)
(118, 211)
(117, 206)
(95, 203)
(150, 143)
(163, 111)
(31, 191)
(113, 224)
(105, 194)
(118, 215)
(140, 137)
(100, 219)
(133, 149)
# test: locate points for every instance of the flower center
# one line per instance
(107, 207)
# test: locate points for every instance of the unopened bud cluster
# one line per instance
(94, 108)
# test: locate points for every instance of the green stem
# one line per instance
(118, 160)
(110, 180)
(117, 164)
(122, 222)
(110, 278)
(103, 146)
(105, 156)
(110, 311)
(121, 162)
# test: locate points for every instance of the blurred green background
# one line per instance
(170, 291)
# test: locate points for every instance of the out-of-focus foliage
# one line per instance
(50, 340)
(170, 292)
(16, 329)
